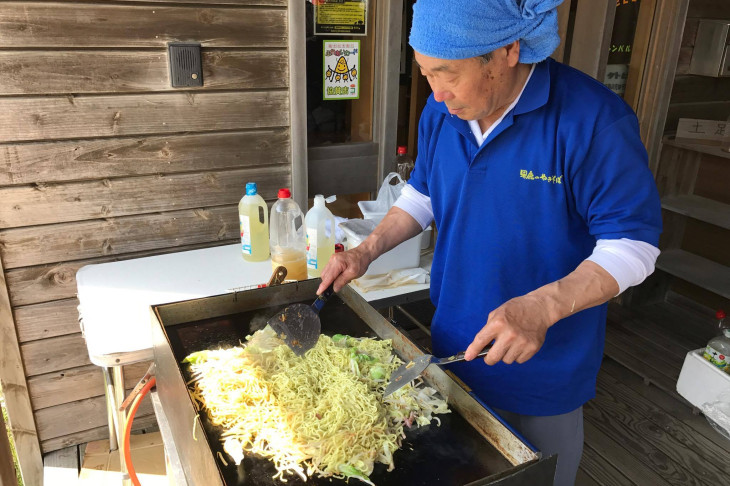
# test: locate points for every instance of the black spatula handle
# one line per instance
(322, 298)
(460, 356)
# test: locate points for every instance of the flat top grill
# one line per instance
(452, 454)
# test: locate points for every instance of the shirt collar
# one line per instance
(537, 90)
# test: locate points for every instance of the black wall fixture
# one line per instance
(186, 65)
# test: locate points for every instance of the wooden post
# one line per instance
(7, 467)
(592, 36)
(17, 400)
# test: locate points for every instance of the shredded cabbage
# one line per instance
(322, 413)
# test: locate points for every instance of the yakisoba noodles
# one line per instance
(322, 414)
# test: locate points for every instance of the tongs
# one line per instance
(410, 371)
(299, 325)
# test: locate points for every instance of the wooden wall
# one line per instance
(694, 96)
(101, 160)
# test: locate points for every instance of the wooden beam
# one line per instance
(42, 24)
(658, 74)
(71, 117)
(640, 48)
(7, 466)
(563, 18)
(592, 36)
(17, 401)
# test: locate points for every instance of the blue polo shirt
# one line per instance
(565, 168)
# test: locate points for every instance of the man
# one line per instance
(538, 183)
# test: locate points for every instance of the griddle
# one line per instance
(455, 453)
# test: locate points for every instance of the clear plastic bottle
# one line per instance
(404, 163)
(320, 246)
(718, 349)
(287, 238)
(253, 215)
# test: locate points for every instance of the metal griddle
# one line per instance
(470, 446)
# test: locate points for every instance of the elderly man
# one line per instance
(538, 183)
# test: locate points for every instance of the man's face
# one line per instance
(471, 88)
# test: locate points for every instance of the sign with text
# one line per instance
(340, 17)
(341, 65)
(709, 132)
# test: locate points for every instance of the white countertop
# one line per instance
(115, 297)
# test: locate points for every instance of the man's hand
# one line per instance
(516, 329)
(344, 267)
(518, 326)
(396, 227)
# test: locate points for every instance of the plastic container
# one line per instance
(717, 351)
(287, 240)
(405, 255)
(320, 245)
(700, 381)
(369, 212)
(253, 216)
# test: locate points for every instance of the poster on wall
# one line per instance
(341, 64)
(340, 17)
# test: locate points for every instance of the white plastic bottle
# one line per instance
(717, 351)
(253, 215)
(287, 239)
(320, 246)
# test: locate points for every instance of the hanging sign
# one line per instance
(340, 17)
(341, 70)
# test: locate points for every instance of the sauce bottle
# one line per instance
(253, 215)
(287, 239)
(320, 246)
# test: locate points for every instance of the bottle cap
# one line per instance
(402, 150)
(720, 314)
(284, 193)
(339, 247)
(251, 189)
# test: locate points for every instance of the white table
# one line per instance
(115, 299)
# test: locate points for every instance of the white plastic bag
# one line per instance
(717, 414)
(389, 192)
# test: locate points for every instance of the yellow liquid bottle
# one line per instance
(320, 246)
(253, 216)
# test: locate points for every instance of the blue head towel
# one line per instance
(459, 29)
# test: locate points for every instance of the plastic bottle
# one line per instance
(287, 238)
(320, 247)
(253, 215)
(718, 349)
(404, 163)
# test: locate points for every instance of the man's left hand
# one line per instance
(517, 328)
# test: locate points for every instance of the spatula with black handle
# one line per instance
(299, 325)
(413, 369)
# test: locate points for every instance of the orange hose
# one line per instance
(126, 452)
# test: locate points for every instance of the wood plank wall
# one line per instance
(694, 96)
(101, 160)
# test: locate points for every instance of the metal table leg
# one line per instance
(111, 416)
(121, 419)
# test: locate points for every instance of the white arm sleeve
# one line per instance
(628, 261)
(416, 204)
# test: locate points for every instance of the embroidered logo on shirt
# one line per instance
(527, 174)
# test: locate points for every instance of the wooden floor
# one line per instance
(638, 430)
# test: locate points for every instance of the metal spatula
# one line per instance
(412, 370)
(299, 325)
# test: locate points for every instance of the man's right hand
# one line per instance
(344, 267)
(396, 227)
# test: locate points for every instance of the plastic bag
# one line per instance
(389, 192)
(717, 414)
(395, 278)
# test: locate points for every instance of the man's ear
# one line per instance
(513, 53)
